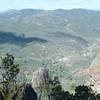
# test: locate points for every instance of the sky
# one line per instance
(49, 4)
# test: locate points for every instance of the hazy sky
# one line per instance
(49, 4)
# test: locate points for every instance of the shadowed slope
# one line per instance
(8, 37)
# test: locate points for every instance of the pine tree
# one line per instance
(84, 93)
(55, 89)
(57, 93)
(10, 70)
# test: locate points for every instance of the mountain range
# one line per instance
(64, 41)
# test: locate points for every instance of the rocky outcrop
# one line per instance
(40, 79)
(94, 72)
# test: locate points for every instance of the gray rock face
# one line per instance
(94, 72)
(40, 79)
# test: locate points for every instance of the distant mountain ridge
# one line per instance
(78, 24)
(32, 21)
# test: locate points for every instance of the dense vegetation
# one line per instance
(10, 89)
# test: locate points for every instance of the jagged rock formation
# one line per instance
(94, 72)
(40, 79)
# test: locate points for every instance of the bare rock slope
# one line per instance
(94, 72)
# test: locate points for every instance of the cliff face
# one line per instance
(40, 79)
(94, 72)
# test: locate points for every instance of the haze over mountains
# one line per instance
(65, 39)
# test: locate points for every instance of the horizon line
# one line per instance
(50, 9)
